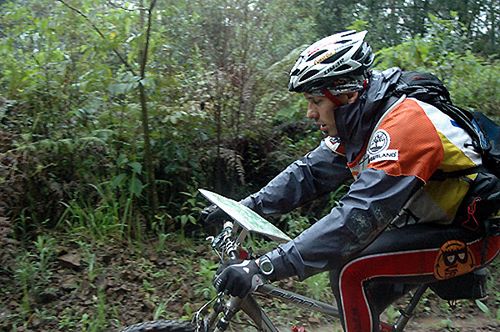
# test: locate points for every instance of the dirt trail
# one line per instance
(116, 285)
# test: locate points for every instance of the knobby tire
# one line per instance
(161, 326)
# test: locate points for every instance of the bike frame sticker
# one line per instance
(454, 259)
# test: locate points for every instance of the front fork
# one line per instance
(232, 307)
(249, 305)
(228, 310)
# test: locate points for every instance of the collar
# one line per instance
(356, 121)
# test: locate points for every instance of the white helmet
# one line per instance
(339, 63)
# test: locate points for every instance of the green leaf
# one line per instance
(122, 88)
(482, 307)
(118, 180)
(136, 167)
(145, 82)
(136, 186)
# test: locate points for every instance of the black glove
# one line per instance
(213, 217)
(239, 279)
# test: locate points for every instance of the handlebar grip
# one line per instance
(228, 225)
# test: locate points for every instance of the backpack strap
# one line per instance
(464, 119)
(440, 175)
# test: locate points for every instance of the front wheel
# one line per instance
(161, 326)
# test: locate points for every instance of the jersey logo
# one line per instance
(377, 150)
(385, 155)
(379, 142)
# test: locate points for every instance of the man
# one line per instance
(391, 147)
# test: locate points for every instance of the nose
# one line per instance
(311, 111)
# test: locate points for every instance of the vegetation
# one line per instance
(113, 113)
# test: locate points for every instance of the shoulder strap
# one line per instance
(440, 175)
(463, 119)
(422, 86)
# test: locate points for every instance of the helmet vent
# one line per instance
(369, 60)
(309, 75)
(336, 56)
(343, 67)
(315, 55)
(348, 33)
(329, 60)
(358, 55)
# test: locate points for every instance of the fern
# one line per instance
(233, 162)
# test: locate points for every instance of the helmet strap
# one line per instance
(330, 96)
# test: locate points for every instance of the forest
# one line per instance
(114, 113)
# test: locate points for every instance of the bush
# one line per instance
(445, 52)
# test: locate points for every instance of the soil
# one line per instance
(104, 287)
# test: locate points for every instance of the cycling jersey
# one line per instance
(416, 139)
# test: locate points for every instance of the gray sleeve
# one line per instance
(317, 173)
(372, 202)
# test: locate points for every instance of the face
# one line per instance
(321, 109)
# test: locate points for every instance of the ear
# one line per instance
(352, 97)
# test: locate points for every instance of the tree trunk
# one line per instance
(493, 10)
(148, 158)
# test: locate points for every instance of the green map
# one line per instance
(245, 217)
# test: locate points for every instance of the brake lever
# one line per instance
(218, 241)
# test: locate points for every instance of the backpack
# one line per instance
(484, 132)
(483, 198)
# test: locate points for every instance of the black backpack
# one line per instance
(483, 199)
(484, 132)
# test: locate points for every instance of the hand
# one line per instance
(213, 218)
(239, 279)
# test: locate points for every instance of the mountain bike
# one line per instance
(217, 314)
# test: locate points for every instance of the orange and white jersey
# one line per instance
(414, 138)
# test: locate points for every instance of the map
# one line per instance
(245, 217)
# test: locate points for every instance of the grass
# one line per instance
(170, 284)
(125, 279)
(112, 217)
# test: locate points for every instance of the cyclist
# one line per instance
(373, 242)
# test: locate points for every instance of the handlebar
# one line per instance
(223, 243)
